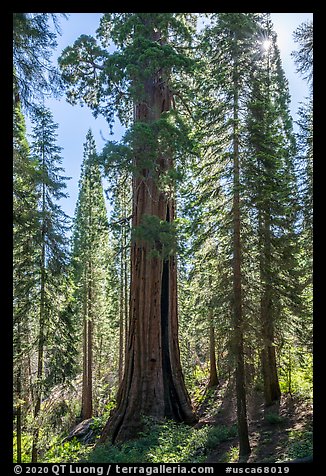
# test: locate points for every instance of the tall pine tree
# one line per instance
(34, 75)
(227, 42)
(25, 236)
(52, 248)
(269, 174)
(90, 256)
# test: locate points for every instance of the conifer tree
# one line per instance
(304, 62)
(227, 177)
(25, 230)
(90, 254)
(227, 42)
(303, 59)
(138, 77)
(52, 249)
(120, 226)
(33, 42)
(269, 173)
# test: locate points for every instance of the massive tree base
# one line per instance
(153, 384)
(120, 428)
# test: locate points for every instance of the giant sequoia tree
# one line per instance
(138, 76)
(209, 135)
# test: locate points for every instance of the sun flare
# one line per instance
(266, 44)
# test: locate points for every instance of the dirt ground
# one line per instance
(269, 435)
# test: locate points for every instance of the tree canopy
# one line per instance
(173, 312)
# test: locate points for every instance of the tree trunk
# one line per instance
(237, 286)
(19, 397)
(99, 359)
(19, 378)
(86, 411)
(84, 387)
(41, 337)
(19, 430)
(89, 410)
(121, 318)
(38, 392)
(272, 391)
(125, 269)
(290, 373)
(213, 378)
(153, 384)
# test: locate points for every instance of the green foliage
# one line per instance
(164, 443)
(25, 245)
(197, 383)
(94, 273)
(156, 149)
(218, 434)
(52, 269)
(273, 418)
(59, 414)
(167, 442)
(26, 442)
(231, 456)
(159, 235)
(33, 44)
(68, 452)
(300, 444)
(188, 152)
(51, 449)
(146, 48)
(99, 422)
(40, 265)
(304, 56)
(296, 371)
(90, 235)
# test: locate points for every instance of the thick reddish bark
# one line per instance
(153, 384)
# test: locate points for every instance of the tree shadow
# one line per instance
(275, 433)
(278, 433)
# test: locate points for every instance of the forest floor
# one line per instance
(277, 434)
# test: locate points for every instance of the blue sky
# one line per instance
(74, 121)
